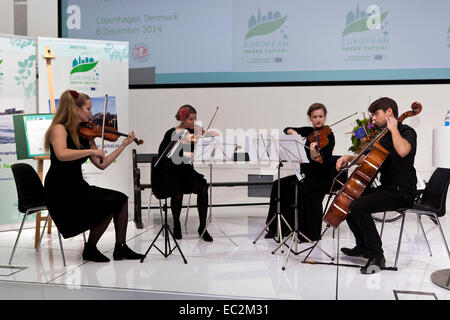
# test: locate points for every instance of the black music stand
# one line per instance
(165, 229)
(266, 144)
(292, 150)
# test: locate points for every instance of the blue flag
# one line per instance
(360, 133)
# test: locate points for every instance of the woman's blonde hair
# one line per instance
(67, 116)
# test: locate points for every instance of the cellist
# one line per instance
(397, 189)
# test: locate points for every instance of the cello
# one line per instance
(363, 175)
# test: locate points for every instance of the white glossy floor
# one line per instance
(219, 270)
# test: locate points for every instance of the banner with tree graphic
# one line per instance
(95, 68)
(17, 96)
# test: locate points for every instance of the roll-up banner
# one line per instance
(17, 96)
(96, 68)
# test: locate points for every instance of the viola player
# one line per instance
(73, 204)
(318, 176)
(397, 189)
(181, 177)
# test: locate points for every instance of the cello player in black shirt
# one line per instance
(397, 190)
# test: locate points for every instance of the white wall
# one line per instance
(7, 19)
(42, 18)
(152, 111)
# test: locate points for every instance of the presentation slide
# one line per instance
(232, 41)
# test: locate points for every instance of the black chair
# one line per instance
(30, 194)
(341, 180)
(430, 203)
(142, 158)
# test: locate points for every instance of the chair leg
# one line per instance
(17, 239)
(42, 233)
(84, 238)
(187, 210)
(149, 206)
(382, 225)
(419, 218)
(400, 239)
(161, 211)
(442, 234)
(62, 250)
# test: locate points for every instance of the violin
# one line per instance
(363, 175)
(197, 130)
(321, 138)
(89, 130)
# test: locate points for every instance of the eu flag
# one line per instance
(360, 133)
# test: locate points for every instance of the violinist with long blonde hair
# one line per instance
(74, 205)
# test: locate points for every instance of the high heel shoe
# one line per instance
(91, 253)
(122, 251)
(206, 236)
(177, 231)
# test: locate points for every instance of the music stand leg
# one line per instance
(165, 230)
(278, 215)
(316, 245)
(211, 217)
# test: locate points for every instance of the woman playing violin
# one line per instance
(398, 184)
(73, 204)
(181, 178)
(318, 175)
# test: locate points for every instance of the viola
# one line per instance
(89, 130)
(363, 175)
(321, 138)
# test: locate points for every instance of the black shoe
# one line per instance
(91, 253)
(177, 231)
(355, 252)
(374, 265)
(206, 236)
(122, 251)
(270, 234)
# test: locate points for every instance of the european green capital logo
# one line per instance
(261, 25)
(83, 65)
(361, 21)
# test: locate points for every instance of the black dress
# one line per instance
(180, 176)
(311, 191)
(73, 204)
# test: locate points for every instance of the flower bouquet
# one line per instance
(364, 132)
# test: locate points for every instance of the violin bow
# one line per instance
(103, 126)
(210, 122)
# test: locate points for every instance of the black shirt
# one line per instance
(178, 157)
(326, 169)
(398, 172)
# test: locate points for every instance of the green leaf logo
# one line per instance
(1, 61)
(265, 28)
(361, 25)
(84, 67)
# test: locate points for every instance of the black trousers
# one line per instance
(311, 192)
(360, 219)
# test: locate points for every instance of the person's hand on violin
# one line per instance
(292, 132)
(314, 145)
(98, 153)
(128, 140)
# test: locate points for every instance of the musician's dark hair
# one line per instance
(316, 106)
(384, 103)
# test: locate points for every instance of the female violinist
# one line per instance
(181, 178)
(73, 204)
(398, 184)
(318, 176)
